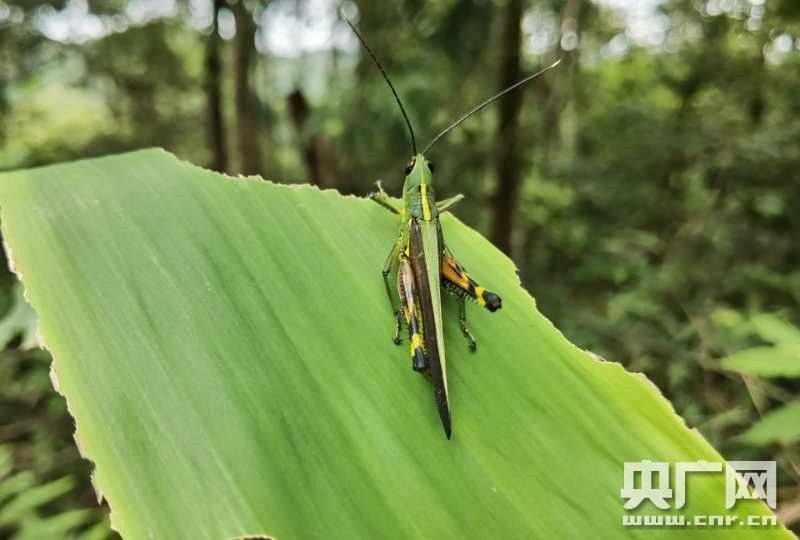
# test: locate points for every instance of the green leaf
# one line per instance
(6, 461)
(225, 348)
(780, 425)
(33, 497)
(98, 531)
(782, 361)
(775, 330)
(15, 483)
(58, 526)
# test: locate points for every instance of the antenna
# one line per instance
(386, 77)
(449, 128)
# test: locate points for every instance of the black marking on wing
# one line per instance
(417, 259)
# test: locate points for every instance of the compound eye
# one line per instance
(409, 167)
(430, 166)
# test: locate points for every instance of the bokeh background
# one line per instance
(648, 188)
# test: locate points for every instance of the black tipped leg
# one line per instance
(493, 302)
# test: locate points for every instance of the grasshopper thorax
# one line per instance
(418, 194)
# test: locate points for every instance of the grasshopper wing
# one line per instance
(425, 254)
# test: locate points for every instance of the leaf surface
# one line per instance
(779, 361)
(225, 348)
(780, 425)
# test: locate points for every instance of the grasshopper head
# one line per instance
(418, 171)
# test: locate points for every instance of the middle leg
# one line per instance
(462, 322)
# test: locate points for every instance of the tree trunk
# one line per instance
(248, 146)
(298, 108)
(213, 77)
(567, 95)
(506, 197)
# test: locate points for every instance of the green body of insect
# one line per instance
(424, 264)
(425, 267)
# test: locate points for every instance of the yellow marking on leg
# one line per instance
(453, 274)
(479, 295)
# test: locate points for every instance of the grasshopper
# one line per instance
(423, 263)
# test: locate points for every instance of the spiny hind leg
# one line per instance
(390, 265)
(462, 322)
(455, 276)
(406, 288)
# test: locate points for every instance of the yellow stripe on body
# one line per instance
(426, 209)
(416, 342)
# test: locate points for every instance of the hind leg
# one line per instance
(454, 275)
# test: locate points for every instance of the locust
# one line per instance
(422, 262)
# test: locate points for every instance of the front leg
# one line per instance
(383, 199)
(446, 204)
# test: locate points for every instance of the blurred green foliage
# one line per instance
(656, 220)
